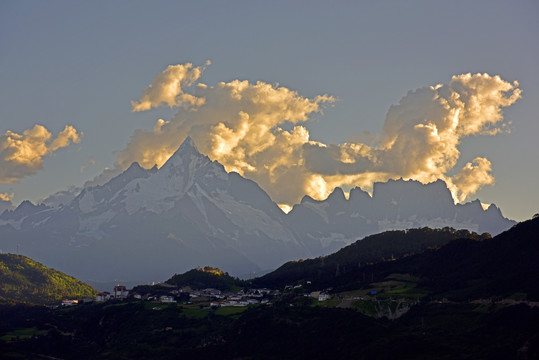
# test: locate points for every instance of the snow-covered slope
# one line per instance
(395, 205)
(146, 225)
(149, 224)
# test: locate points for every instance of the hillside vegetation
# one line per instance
(457, 265)
(25, 280)
(386, 246)
(504, 266)
(206, 277)
(471, 297)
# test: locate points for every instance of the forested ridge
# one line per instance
(25, 280)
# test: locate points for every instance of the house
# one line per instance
(166, 299)
(323, 296)
(120, 292)
(102, 296)
(211, 292)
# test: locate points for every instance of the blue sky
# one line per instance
(82, 63)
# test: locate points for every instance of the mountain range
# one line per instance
(145, 224)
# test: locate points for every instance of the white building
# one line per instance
(120, 292)
(323, 297)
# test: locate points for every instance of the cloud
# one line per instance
(166, 88)
(5, 202)
(91, 163)
(420, 137)
(22, 154)
(471, 178)
(240, 124)
(104, 177)
(64, 139)
(260, 130)
(61, 197)
(6, 196)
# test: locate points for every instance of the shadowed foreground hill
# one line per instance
(453, 264)
(207, 277)
(350, 260)
(501, 266)
(296, 326)
(25, 280)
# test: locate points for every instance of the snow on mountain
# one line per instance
(22, 214)
(5, 205)
(395, 205)
(190, 212)
(146, 224)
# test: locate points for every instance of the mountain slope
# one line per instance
(146, 224)
(207, 277)
(353, 258)
(466, 267)
(502, 266)
(25, 280)
(395, 205)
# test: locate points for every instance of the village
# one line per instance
(208, 297)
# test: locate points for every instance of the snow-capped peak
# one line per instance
(173, 180)
(187, 153)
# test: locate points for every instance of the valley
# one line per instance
(413, 305)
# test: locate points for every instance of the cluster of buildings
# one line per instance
(320, 295)
(241, 298)
(120, 292)
(215, 298)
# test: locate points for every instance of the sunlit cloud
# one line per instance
(167, 88)
(5, 202)
(260, 130)
(471, 178)
(91, 163)
(6, 196)
(103, 177)
(22, 155)
(240, 124)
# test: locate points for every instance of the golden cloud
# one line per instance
(471, 178)
(6, 196)
(22, 154)
(260, 131)
(166, 88)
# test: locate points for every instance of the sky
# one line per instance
(300, 96)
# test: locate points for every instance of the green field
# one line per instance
(230, 310)
(21, 334)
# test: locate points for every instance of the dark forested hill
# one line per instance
(460, 267)
(388, 245)
(452, 264)
(207, 277)
(25, 280)
(501, 266)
